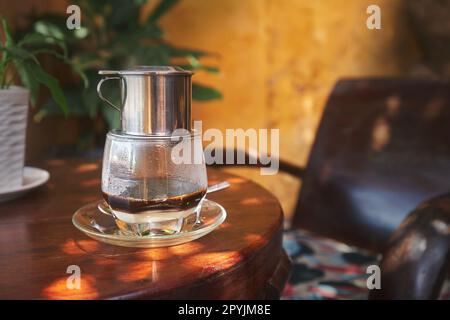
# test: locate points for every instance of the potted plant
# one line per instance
(19, 62)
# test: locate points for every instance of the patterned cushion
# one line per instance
(326, 269)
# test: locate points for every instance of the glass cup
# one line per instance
(154, 185)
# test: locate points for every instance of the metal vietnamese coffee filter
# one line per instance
(156, 100)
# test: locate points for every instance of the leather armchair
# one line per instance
(382, 149)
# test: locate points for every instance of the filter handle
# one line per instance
(124, 91)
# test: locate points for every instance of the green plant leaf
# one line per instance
(49, 51)
(52, 84)
(40, 40)
(76, 99)
(208, 69)
(149, 30)
(52, 25)
(49, 29)
(19, 53)
(203, 93)
(9, 42)
(151, 55)
(161, 9)
(195, 64)
(76, 67)
(111, 116)
(24, 70)
(140, 2)
(193, 61)
(81, 33)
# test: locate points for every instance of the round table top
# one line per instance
(39, 245)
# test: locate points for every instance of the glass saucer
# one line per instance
(102, 227)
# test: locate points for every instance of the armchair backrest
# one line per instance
(383, 147)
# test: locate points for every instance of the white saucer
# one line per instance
(32, 178)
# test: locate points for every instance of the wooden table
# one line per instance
(242, 259)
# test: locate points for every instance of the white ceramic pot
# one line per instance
(13, 125)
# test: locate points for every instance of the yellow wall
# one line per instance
(279, 59)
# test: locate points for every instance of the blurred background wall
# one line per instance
(278, 60)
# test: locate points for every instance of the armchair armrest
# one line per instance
(416, 262)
